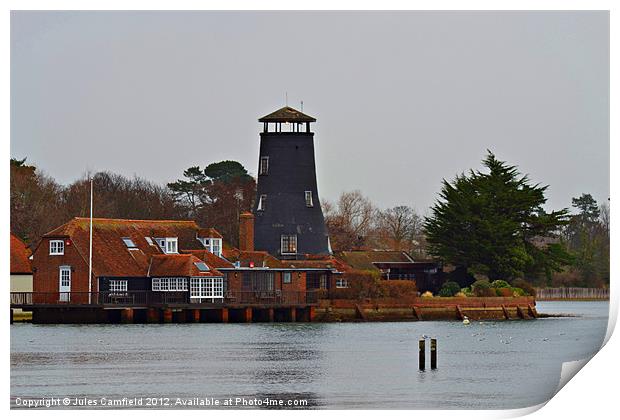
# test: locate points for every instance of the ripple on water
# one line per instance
(360, 365)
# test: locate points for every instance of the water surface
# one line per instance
(503, 364)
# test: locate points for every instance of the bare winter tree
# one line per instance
(398, 228)
(35, 202)
(119, 197)
(604, 217)
(350, 221)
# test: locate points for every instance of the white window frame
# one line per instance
(342, 283)
(129, 243)
(57, 247)
(118, 287)
(263, 166)
(261, 202)
(64, 276)
(206, 289)
(308, 197)
(294, 241)
(198, 264)
(169, 248)
(215, 246)
(169, 284)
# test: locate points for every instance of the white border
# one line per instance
(592, 395)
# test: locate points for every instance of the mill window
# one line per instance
(309, 199)
(264, 165)
(262, 201)
(288, 244)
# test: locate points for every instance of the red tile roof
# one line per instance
(324, 262)
(264, 259)
(363, 260)
(20, 261)
(111, 257)
(208, 233)
(259, 258)
(179, 265)
(211, 259)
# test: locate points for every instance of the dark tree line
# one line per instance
(215, 196)
(489, 223)
(493, 223)
(587, 238)
(40, 204)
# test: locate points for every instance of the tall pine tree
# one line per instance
(493, 223)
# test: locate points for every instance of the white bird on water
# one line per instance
(465, 320)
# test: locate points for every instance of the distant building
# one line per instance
(21, 267)
(289, 221)
(396, 265)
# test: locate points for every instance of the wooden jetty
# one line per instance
(154, 307)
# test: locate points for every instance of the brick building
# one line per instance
(21, 267)
(174, 261)
(128, 255)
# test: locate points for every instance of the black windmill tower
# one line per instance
(289, 221)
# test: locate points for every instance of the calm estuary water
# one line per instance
(351, 365)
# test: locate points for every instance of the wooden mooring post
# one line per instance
(422, 353)
(433, 353)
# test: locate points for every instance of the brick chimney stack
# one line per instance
(246, 231)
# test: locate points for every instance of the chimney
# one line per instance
(246, 231)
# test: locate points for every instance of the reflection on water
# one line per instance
(362, 365)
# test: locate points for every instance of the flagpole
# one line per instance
(90, 245)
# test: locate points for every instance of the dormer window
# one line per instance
(264, 165)
(171, 246)
(309, 199)
(129, 243)
(213, 245)
(57, 247)
(148, 240)
(262, 201)
(216, 246)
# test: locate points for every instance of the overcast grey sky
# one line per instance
(402, 99)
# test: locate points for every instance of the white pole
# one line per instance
(90, 245)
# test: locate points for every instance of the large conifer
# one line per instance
(493, 223)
